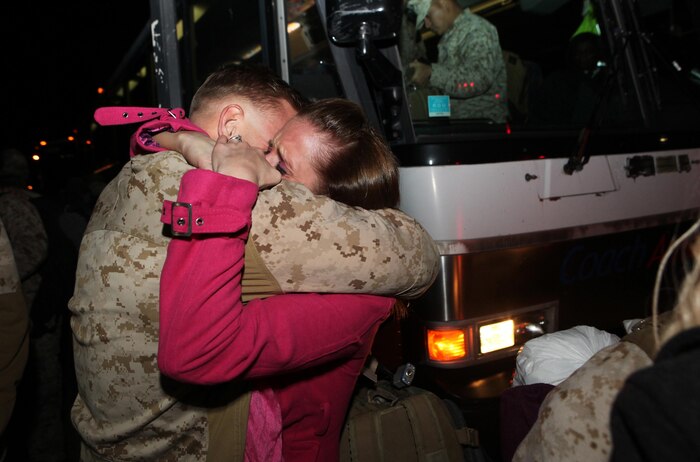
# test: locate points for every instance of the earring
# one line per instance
(235, 139)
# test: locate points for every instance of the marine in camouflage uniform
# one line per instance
(27, 234)
(14, 330)
(573, 423)
(470, 69)
(298, 242)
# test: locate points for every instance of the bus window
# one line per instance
(567, 65)
(311, 68)
(224, 32)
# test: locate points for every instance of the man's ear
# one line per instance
(230, 119)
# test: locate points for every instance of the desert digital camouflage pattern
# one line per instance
(14, 329)
(323, 246)
(125, 409)
(28, 237)
(574, 420)
(471, 69)
(9, 276)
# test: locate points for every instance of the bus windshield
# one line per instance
(530, 65)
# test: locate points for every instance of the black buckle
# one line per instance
(188, 206)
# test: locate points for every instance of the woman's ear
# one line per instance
(230, 119)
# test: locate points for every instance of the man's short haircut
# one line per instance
(256, 83)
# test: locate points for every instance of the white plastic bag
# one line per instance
(553, 357)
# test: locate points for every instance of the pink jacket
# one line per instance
(207, 336)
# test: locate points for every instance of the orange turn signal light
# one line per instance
(446, 345)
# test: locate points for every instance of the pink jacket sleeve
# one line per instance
(206, 334)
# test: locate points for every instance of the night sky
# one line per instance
(56, 56)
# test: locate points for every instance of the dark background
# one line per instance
(56, 55)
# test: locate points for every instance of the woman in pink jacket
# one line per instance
(304, 352)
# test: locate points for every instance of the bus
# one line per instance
(556, 217)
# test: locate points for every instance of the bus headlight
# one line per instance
(459, 343)
(496, 336)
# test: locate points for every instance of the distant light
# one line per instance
(43, 143)
(100, 90)
(71, 138)
(497, 96)
(88, 142)
(36, 157)
(541, 157)
(663, 139)
(75, 131)
(30, 187)
(103, 168)
(292, 26)
(508, 130)
(252, 52)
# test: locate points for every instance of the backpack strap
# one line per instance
(468, 436)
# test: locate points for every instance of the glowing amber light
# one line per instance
(71, 138)
(42, 143)
(496, 336)
(100, 90)
(36, 157)
(446, 345)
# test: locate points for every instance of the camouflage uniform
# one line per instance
(27, 235)
(471, 70)
(574, 419)
(125, 409)
(14, 329)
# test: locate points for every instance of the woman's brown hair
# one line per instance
(354, 164)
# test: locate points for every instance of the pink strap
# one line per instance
(121, 115)
(153, 119)
(186, 219)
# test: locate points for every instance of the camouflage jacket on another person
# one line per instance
(471, 70)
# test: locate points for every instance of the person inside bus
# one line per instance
(568, 96)
(299, 242)
(207, 336)
(469, 68)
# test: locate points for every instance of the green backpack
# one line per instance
(387, 424)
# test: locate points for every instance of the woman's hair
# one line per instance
(354, 164)
(686, 313)
(256, 83)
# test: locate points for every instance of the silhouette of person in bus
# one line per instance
(568, 96)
